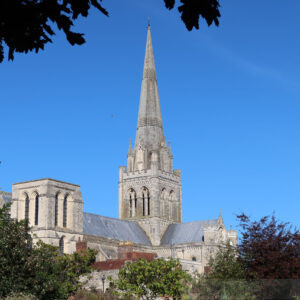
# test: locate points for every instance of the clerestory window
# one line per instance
(65, 207)
(26, 207)
(56, 211)
(36, 215)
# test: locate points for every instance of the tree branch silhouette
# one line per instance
(27, 25)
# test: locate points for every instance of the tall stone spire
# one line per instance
(149, 128)
(149, 188)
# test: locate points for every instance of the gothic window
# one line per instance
(36, 215)
(26, 207)
(172, 209)
(132, 203)
(130, 206)
(61, 245)
(162, 201)
(148, 204)
(65, 207)
(146, 201)
(166, 209)
(143, 204)
(194, 258)
(56, 210)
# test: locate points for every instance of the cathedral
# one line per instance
(150, 200)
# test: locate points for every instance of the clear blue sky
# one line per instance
(230, 99)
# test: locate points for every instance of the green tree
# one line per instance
(38, 269)
(150, 279)
(226, 279)
(28, 25)
(15, 248)
(225, 264)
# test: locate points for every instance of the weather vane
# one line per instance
(148, 21)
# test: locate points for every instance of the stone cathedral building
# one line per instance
(150, 199)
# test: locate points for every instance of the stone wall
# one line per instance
(5, 197)
(94, 280)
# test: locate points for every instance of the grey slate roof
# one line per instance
(114, 229)
(190, 232)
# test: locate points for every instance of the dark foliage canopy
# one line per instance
(27, 25)
(192, 10)
(39, 269)
(269, 249)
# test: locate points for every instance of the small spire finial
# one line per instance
(148, 21)
(219, 212)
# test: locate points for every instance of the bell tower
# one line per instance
(149, 188)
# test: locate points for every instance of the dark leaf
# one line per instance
(98, 5)
(169, 4)
(11, 53)
(1, 52)
(75, 38)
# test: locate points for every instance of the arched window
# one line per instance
(143, 204)
(132, 202)
(26, 207)
(36, 215)
(146, 201)
(194, 258)
(148, 196)
(56, 211)
(130, 206)
(172, 208)
(61, 245)
(65, 207)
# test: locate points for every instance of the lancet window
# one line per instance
(26, 207)
(146, 202)
(163, 198)
(56, 210)
(173, 206)
(132, 203)
(143, 204)
(65, 207)
(36, 215)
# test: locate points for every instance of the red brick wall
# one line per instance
(124, 251)
(112, 264)
(80, 246)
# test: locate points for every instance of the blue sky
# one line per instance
(230, 99)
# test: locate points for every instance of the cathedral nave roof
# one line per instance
(121, 230)
(182, 233)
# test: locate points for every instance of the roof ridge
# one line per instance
(111, 218)
(198, 221)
